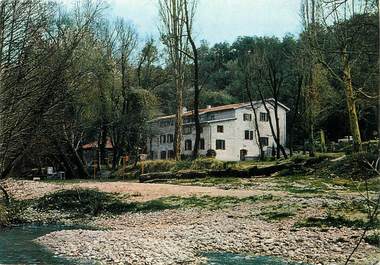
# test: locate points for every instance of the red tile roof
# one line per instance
(206, 110)
(94, 145)
(219, 108)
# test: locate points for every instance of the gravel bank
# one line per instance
(178, 236)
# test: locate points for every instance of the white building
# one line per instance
(228, 129)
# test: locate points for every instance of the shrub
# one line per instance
(335, 221)
(157, 165)
(298, 158)
(181, 165)
(354, 166)
(78, 201)
(211, 153)
(175, 166)
(207, 163)
(373, 239)
(3, 215)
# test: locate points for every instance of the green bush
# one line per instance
(181, 165)
(3, 215)
(354, 166)
(298, 158)
(78, 201)
(157, 165)
(207, 163)
(335, 221)
(203, 163)
(373, 239)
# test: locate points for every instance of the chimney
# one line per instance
(208, 107)
(184, 109)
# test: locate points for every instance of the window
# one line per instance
(162, 139)
(189, 120)
(248, 135)
(264, 141)
(163, 154)
(202, 144)
(187, 130)
(166, 123)
(247, 117)
(188, 145)
(220, 145)
(219, 128)
(170, 154)
(212, 117)
(170, 138)
(264, 116)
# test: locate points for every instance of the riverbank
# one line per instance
(178, 236)
(174, 224)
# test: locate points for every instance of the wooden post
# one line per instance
(95, 165)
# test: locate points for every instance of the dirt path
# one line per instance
(139, 191)
(148, 191)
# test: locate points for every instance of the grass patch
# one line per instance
(373, 239)
(279, 212)
(210, 202)
(280, 215)
(335, 221)
(4, 218)
(352, 167)
(90, 202)
(77, 201)
(209, 182)
(295, 189)
(302, 183)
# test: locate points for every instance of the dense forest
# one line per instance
(70, 76)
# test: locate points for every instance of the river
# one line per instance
(17, 247)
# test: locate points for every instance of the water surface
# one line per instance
(17, 246)
(236, 259)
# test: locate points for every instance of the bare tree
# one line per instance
(126, 40)
(332, 28)
(268, 72)
(173, 17)
(189, 16)
(36, 48)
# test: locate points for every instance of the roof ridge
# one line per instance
(219, 108)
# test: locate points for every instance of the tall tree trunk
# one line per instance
(102, 145)
(178, 76)
(115, 158)
(196, 105)
(195, 82)
(66, 162)
(275, 138)
(278, 135)
(350, 100)
(6, 195)
(295, 116)
(261, 149)
(178, 121)
(78, 162)
(311, 140)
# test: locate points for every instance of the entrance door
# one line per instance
(243, 154)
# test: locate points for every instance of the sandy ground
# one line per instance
(138, 191)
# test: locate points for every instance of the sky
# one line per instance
(218, 20)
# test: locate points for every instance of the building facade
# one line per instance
(229, 130)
